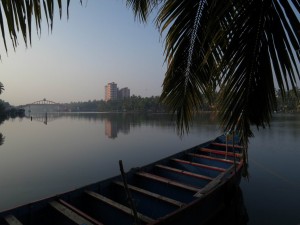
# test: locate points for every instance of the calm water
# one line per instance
(72, 150)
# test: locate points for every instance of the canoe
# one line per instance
(189, 187)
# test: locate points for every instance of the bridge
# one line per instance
(43, 105)
(41, 102)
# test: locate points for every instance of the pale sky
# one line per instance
(100, 43)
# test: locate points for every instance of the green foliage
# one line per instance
(288, 101)
(2, 109)
(238, 48)
(8, 111)
(132, 104)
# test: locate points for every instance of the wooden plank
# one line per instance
(211, 158)
(229, 145)
(69, 213)
(12, 220)
(79, 212)
(151, 194)
(218, 152)
(184, 172)
(168, 181)
(200, 165)
(119, 206)
(211, 185)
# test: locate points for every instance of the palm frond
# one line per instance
(191, 55)
(17, 16)
(242, 47)
(183, 88)
(261, 51)
(142, 8)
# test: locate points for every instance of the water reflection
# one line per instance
(81, 152)
(2, 138)
(113, 127)
(116, 123)
(44, 117)
(85, 148)
(235, 212)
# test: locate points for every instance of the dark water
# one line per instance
(272, 195)
(40, 158)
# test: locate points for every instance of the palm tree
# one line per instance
(238, 48)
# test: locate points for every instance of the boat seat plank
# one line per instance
(219, 152)
(211, 158)
(229, 145)
(200, 165)
(167, 181)
(12, 220)
(211, 185)
(151, 194)
(119, 206)
(185, 172)
(69, 213)
(79, 212)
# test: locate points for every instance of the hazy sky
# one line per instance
(100, 43)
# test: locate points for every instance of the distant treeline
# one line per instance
(287, 103)
(8, 111)
(132, 104)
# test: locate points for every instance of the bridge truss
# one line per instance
(44, 103)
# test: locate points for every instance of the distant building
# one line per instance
(124, 93)
(111, 91)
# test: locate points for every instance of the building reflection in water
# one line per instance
(113, 127)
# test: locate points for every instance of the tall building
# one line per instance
(124, 93)
(111, 91)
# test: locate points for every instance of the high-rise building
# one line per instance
(111, 91)
(124, 93)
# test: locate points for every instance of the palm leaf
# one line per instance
(186, 82)
(142, 8)
(266, 43)
(17, 15)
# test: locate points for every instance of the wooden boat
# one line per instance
(186, 188)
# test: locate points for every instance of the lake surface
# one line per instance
(40, 158)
